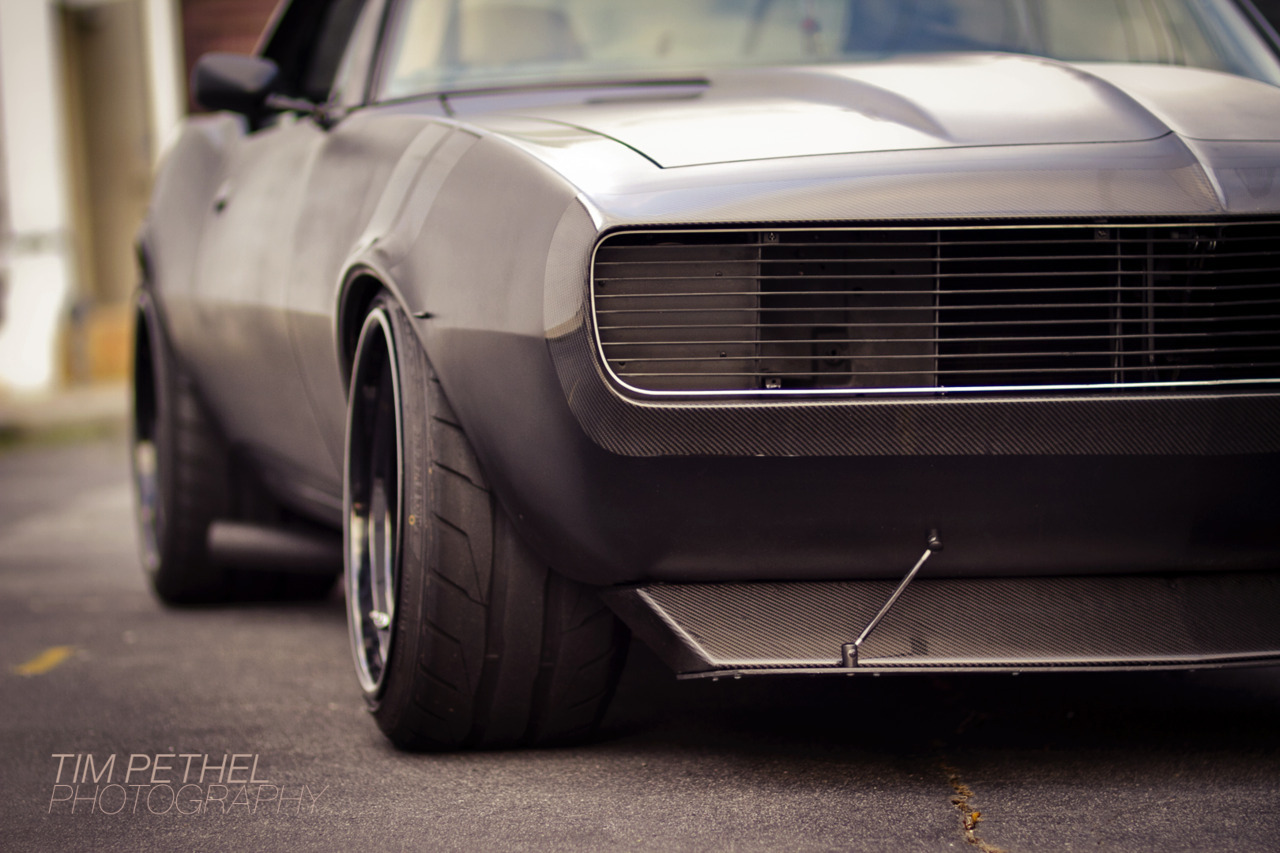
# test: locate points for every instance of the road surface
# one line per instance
(242, 728)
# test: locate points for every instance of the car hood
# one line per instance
(938, 102)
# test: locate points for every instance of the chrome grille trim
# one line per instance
(944, 308)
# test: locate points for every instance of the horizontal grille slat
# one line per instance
(939, 276)
(1270, 317)
(635, 360)
(1042, 307)
(991, 259)
(604, 298)
(907, 372)
(1157, 241)
(940, 308)
(1056, 338)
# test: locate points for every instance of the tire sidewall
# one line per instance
(413, 530)
(162, 564)
(192, 475)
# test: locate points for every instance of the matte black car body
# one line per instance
(481, 214)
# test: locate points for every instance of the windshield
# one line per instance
(451, 45)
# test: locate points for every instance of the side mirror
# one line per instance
(229, 81)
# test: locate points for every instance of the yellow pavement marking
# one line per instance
(45, 661)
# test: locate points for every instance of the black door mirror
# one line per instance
(230, 81)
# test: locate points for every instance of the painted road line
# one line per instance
(45, 661)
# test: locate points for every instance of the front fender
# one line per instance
(467, 255)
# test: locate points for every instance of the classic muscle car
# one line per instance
(797, 336)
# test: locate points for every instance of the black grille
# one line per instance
(940, 308)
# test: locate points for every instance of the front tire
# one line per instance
(461, 637)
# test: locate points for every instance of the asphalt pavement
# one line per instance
(125, 726)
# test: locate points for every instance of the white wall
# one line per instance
(38, 260)
(37, 252)
(162, 20)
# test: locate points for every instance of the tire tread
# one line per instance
(510, 653)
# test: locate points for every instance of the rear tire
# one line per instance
(180, 466)
(184, 479)
(462, 638)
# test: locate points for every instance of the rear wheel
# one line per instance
(185, 479)
(461, 637)
(180, 467)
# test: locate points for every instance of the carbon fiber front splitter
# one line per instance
(983, 624)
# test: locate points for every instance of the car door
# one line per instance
(247, 254)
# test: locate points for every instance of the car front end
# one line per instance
(775, 378)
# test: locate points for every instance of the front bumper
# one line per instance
(848, 490)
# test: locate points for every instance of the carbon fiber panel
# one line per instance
(1015, 624)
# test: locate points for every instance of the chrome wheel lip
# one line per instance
(371, 529)
(146, 490)
(144, 456)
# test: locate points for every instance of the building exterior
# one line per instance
(231, 26)
(91, 92)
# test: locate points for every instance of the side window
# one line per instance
(309, 43)
(331, 43)
(418, 48)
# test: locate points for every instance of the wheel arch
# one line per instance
(143, 399)
(361, 284)
(360, 288)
